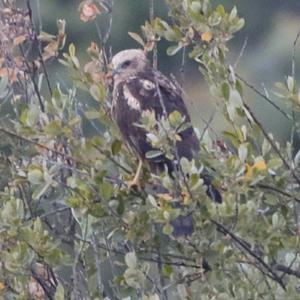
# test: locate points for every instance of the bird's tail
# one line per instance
(183, 225)
(211, 191)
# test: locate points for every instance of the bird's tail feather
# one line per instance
(183, 225)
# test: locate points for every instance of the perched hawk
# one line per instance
(138, 88)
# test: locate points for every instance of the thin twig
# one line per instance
(279, 191)
(207, 126)
(112, 160)
(109, 27)
(294, 54)
(69, 157)
(94, 242)
(103, 38)
(241, 53)
(66, 156)
(32, 77)
(253, 88)
(35, 35)
(272, 143)
(151, 17)
(54, 212)
(293, 75)
(182, 65)
(76, 288)
(287, 270)
(270, 272)
(43, 284)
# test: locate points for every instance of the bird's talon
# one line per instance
(134, 184)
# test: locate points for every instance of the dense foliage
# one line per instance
(70, 228)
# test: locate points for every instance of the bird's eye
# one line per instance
(125, 64)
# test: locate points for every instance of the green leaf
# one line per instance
(73, 202)
(75, 61)
(3, 84)
(172, 50)
(220, 10)
(98, 92)
(290, 83)
(196, 7)
(54, 128)
(239, 87)
(60, 292)
(75, 121)
(275, 163)
(235, 102)
(151, 297)
(239, 25)
(121, 207)
(275, 220)
(116, 146)
(72, 50)
(271, 200)
(280, 86)
(92, 114)
(175, 118)
(97, 210)
(168, 229)
(225, 90)
(167, 270)
(134, 278)
(137, 38)
(266, 147)
(131, 260)
(233, 14)
(243, 152)
(153, 154)
(185, 165)
(106, 190)
(152, 201)
(35, 176)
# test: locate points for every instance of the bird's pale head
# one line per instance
(128, 63)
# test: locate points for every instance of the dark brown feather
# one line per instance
(149, 99)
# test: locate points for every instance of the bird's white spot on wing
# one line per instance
(132, 102)
(147, 84)
(148, 113)
(129, 79)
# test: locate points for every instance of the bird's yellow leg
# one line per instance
(135, 182)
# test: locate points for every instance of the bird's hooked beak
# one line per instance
(115, 70)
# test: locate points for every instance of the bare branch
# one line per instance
(270, 272)
(241, 53)
(253, 88)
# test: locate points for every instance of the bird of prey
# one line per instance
(138, 89)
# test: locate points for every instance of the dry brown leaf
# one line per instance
(207, 36)
(93, 50)
(165, 197)
(10, 73)
(51, 50)
(88, 11)
(36, 291)
(19, 40)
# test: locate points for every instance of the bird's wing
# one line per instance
(154, 89)
(157, 93)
